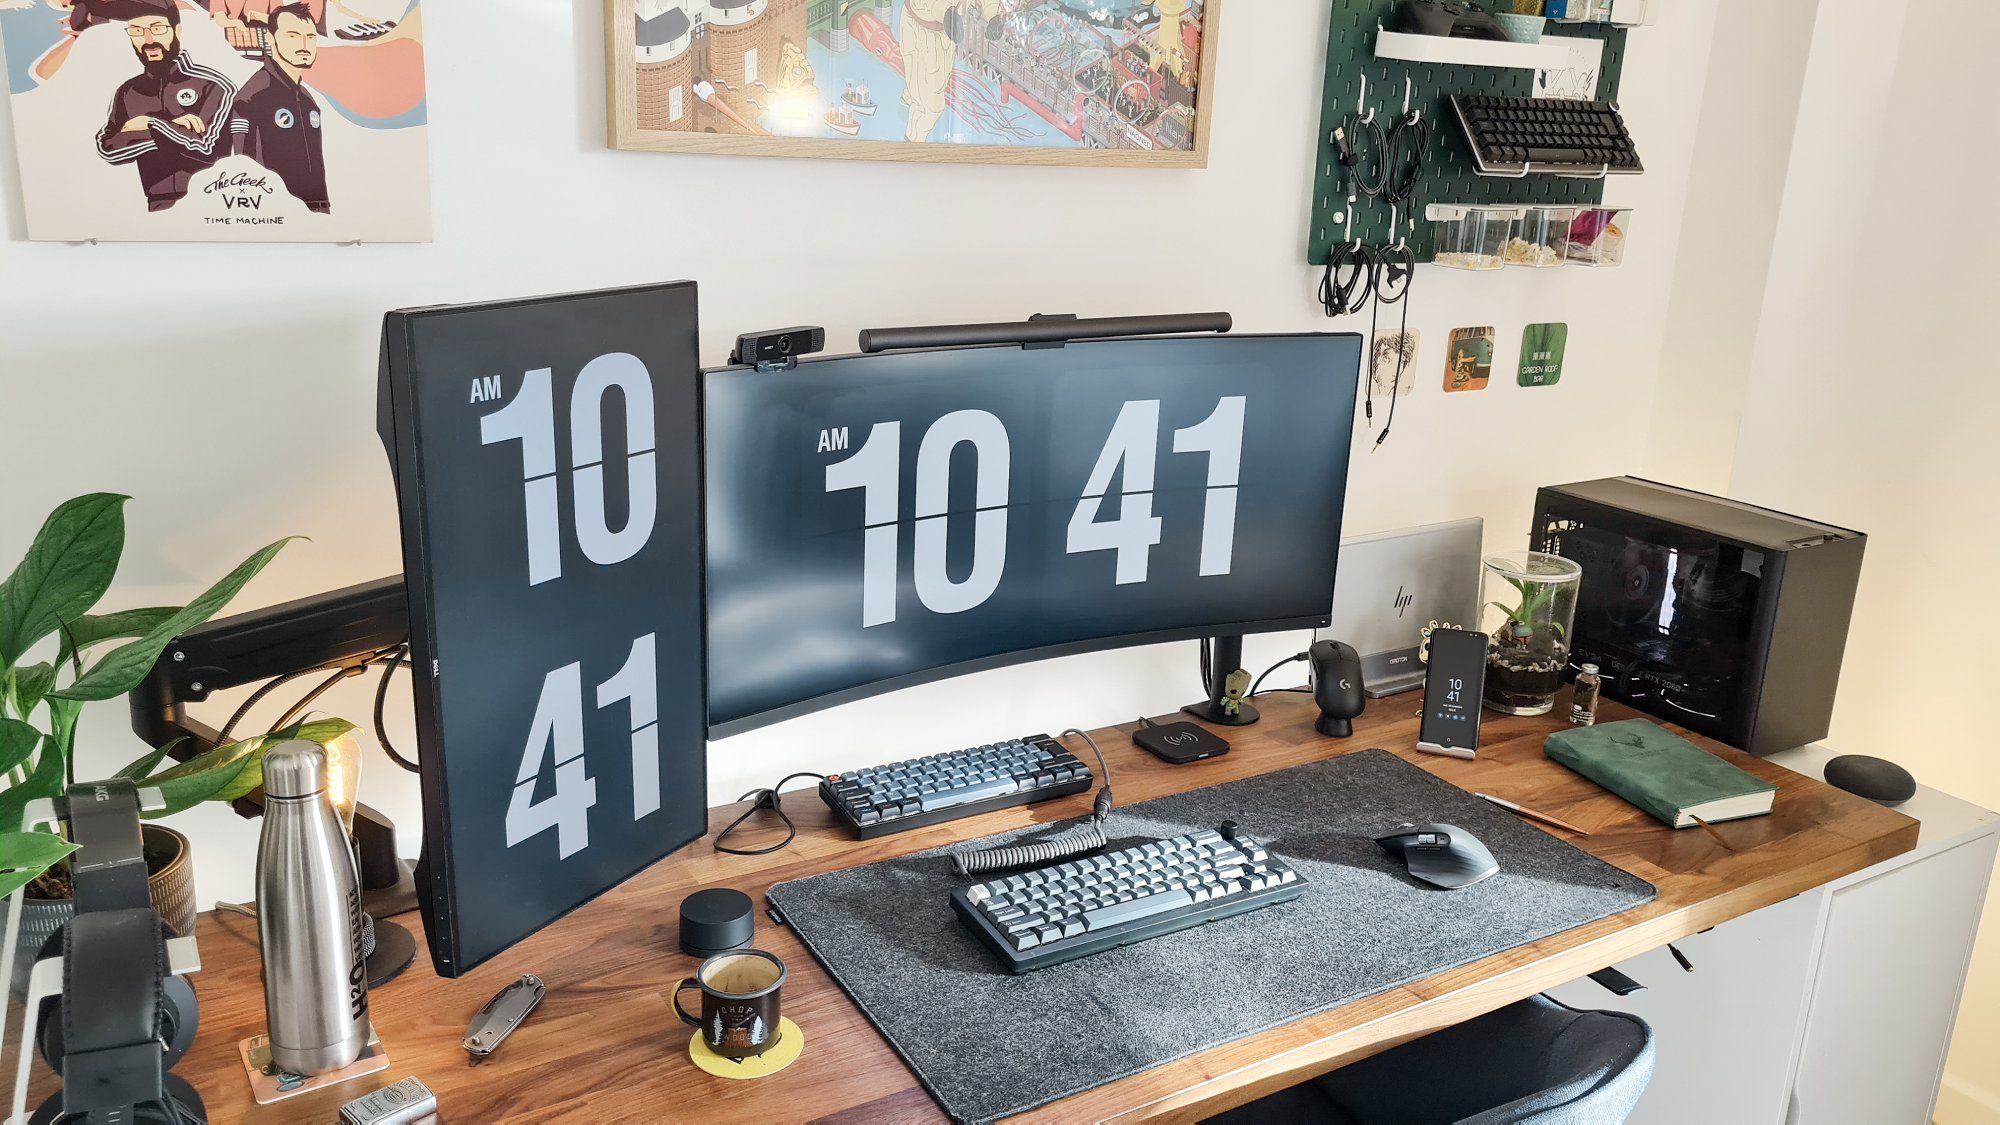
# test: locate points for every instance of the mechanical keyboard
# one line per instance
(1511, 135)
(904, 795)
(1084, 906)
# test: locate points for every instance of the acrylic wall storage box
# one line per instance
(1471, 237)
(1541, 238)
(1623, 13)
(1597, 236)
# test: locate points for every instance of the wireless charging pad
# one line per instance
(786, 1051)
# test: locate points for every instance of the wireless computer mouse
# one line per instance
(1444, 855)
(1336, 680)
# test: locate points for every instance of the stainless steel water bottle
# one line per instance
(309, 919)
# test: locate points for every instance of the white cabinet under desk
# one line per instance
(1831, 1008)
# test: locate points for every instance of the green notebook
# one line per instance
(1662, 773)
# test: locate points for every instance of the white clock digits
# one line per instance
(1130, 451)
(530, 418)
(556, 734)
(1133, 444)
(875, 469)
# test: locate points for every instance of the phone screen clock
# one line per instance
(1454, 682)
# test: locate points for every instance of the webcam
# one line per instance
(779, 348)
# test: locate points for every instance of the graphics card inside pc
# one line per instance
(1726, 618)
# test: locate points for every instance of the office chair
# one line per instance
(1533, 1063)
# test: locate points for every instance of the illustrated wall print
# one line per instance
(1121, 82)
(219, 120)
(1468, 359)
(1392, 370)
(1542, 349)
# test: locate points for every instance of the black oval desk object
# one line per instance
(1881, 781)
(716, 920)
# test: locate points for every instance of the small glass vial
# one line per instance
(1583, 705)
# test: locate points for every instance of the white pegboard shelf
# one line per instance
(1546, 55)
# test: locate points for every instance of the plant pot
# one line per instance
(1530, 604)
(1519, 682)
(170, 864)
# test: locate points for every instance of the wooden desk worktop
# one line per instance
(605, 1045)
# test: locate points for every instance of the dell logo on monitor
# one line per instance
(1403, 601)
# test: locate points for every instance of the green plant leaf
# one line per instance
(123, 667)
(24, 855)
(244, 760)
(1512, 615)
(45, 780)
(66, 569)
(138, 770)
(320, 731)
(188, 790)
(17, 741)
(91, 629)
(31, 684)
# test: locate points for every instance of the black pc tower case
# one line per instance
(1723, 617)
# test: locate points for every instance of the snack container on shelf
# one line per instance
(1597, 236)
(1473, 236)
(1541, 238)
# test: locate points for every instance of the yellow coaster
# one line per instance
(791, 1044)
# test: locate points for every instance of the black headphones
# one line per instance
(123, 1018)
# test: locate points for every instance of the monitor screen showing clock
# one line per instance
(879, 521)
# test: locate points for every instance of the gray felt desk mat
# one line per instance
(987, 1043)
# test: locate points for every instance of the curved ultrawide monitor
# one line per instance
(880, 521)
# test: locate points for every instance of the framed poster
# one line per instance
(219, 120)
(1078, 82)
(547, 456)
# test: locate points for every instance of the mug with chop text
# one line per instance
(739, 1002)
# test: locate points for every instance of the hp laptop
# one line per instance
(1389, 586)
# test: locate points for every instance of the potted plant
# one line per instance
(1530, 605)
(47, 604)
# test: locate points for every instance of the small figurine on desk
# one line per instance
(1232, 691)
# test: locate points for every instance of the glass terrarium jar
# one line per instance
(1529, 604)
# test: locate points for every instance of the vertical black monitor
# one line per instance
(879, 521)
(548, 468)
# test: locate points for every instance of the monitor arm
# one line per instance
(348, 628)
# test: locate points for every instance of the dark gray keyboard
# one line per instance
(1572, 138)
(1083, 906)
(922, 791)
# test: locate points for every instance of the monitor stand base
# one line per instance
(1225, 657)
(1210, 711)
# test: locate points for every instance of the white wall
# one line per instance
(231, 389)
(1871, 403)
(1736, 185)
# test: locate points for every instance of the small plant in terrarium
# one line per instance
(1531, 601)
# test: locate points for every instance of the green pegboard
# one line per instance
(1449, 174)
